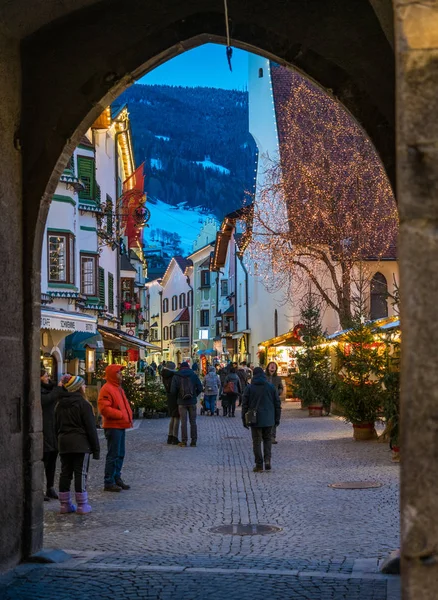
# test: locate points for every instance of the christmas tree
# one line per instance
(313, 381)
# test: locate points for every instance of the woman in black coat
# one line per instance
(49, 398)
(276, 380)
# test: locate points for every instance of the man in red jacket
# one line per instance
(117, 418)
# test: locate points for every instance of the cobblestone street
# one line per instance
(155, 541)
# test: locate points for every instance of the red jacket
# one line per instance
(113, 403)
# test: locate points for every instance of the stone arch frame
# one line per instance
(57, 95)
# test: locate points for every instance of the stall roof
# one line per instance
(287, 339)
(384, 324)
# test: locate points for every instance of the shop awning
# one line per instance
(208, 352)
(76, 344)
(230, 310)
(62, 320)
(114, 338)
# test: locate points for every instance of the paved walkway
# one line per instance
(154, 541)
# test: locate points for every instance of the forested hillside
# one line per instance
(195, 144)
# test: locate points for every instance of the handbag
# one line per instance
(251, 415)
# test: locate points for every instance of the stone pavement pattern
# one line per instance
(156, 535)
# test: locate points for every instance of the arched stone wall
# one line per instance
(71, 68)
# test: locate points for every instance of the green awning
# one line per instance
(76, 344)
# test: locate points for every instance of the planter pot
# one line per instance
(315, 410)
(364, 432)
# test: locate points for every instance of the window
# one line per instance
(102, 286)
(205, 318)
(110, 292)
(190, 298)
(205, 278)
(88, 274)
(224, 287)
(127, 286)
(184, 330)
(166, 333)
(166, 305)
(260, 73)
(174, 302)
(86, 174)
(182, 300)
(70, 167)
(172, 332)
(218, 328)
(61, 257)
(379, 295)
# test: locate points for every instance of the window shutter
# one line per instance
(110, 292)
(87, 175)
(101, 285)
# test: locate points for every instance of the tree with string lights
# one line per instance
(325, 208)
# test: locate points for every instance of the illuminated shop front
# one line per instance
(282, 350)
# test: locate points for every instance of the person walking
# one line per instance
(243, 375)
(77, 439)
(117, 418)
(49, 398)
(276, 380)
(167, 374)
(212, 384)
(184, 389)
(232, 389)
(262, 402)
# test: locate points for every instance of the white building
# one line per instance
(176, 310)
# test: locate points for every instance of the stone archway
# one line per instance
(62, 62)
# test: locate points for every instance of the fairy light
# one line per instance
(324, 206)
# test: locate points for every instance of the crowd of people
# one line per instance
(69, 423)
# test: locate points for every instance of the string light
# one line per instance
(324, 206)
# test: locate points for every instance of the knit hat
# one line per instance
(184, 365)
(170, 365)
(72, 383)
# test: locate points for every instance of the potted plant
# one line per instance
(358, 386)
(133, 391)
(313, 381)
(154, 399)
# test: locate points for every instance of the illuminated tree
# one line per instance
(325, 205)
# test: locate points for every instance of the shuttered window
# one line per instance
(87, 175)
(88, 274)
(110, 293)
(101, 285)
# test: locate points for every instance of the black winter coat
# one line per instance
(76, 424)
(266, 395)
(49, 398)
(172, 406)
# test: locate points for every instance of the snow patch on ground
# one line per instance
(186, 221)
(207, 164)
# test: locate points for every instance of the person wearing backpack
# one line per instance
(261, 411)
(212, 384)
(232, 389)
(185, 388)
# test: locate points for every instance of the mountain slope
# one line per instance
(195, 144)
